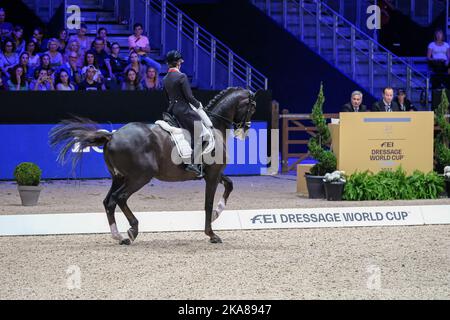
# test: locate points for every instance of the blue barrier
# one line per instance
(29, 143)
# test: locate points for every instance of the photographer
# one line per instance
(42, 81)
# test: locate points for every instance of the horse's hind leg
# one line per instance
(110, 207)
(228, 184)
(212, 182)
(121, 196)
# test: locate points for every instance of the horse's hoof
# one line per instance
(215, 240)
(126, 242)
(132, 234)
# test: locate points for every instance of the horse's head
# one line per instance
(244, 112)
(235, 107)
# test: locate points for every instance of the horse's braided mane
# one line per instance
(220, 95)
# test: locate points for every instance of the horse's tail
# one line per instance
(78, 132)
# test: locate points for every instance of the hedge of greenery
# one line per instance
(393, 185)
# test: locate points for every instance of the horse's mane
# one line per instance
(220, 95)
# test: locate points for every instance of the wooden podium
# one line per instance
(383, 141)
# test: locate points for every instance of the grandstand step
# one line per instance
(101, 16)
(117, 29)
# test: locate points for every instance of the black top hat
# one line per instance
(173, 56)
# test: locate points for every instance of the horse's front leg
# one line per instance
(211, 187)
(228, 184)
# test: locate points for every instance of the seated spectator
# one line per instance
(62, 41)
(17, 37)
(131, 82)
(42, 81)
(117, 63)
(5, 27)
(63, 81)
(83, 40)
(136, 65)
(102, 58)
(438, 53)
(89, 83)
(72, 69)
(102, 33)
(8, 56)
(438, 60)
(386, 104)
(38, 38)
(56, 59)
(45, 64)
(355, 104)
(403, 102)
(74, 46)
(139, 43)
(24, 62)
(151, 81)
(91, 61)
(34, 59)
(17, 81)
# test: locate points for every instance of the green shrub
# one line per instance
(393, 185)
(442, 140)
(27, 174)
(326, 160)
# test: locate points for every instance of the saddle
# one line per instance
(170, 124)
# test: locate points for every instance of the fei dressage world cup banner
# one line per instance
(378, 141)
(29, 143)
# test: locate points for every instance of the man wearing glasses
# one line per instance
(139, 43)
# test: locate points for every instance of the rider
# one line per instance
(181, 104)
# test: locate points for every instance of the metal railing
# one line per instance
(423, 12)
(368, 58)
(237, 67)
(52, 5)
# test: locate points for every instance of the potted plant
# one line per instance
(317, 147)
(447, 180)
(442, 138)
(28, 176)
(334, 185)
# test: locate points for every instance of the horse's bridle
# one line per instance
(245, 123)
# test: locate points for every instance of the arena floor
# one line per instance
(328, 263)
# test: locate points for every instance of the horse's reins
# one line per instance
(229, 122)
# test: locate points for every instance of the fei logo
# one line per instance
(387, 144)
(264, 218)
(73, 14)
(374, 20)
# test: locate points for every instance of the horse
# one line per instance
(138, 152)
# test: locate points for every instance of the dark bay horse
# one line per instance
(137, 152)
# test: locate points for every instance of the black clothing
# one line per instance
(408, 106)
(349, 108)
(86, 86)
(178, 90)
(381, 107)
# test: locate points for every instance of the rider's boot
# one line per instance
(196, 166)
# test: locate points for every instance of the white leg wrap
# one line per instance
(220, 207)
(115, 233)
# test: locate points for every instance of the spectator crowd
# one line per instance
(74, 63)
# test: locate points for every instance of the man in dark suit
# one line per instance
(403, 102)
(386, 104)
(355, 104)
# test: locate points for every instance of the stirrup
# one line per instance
(197, 169)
